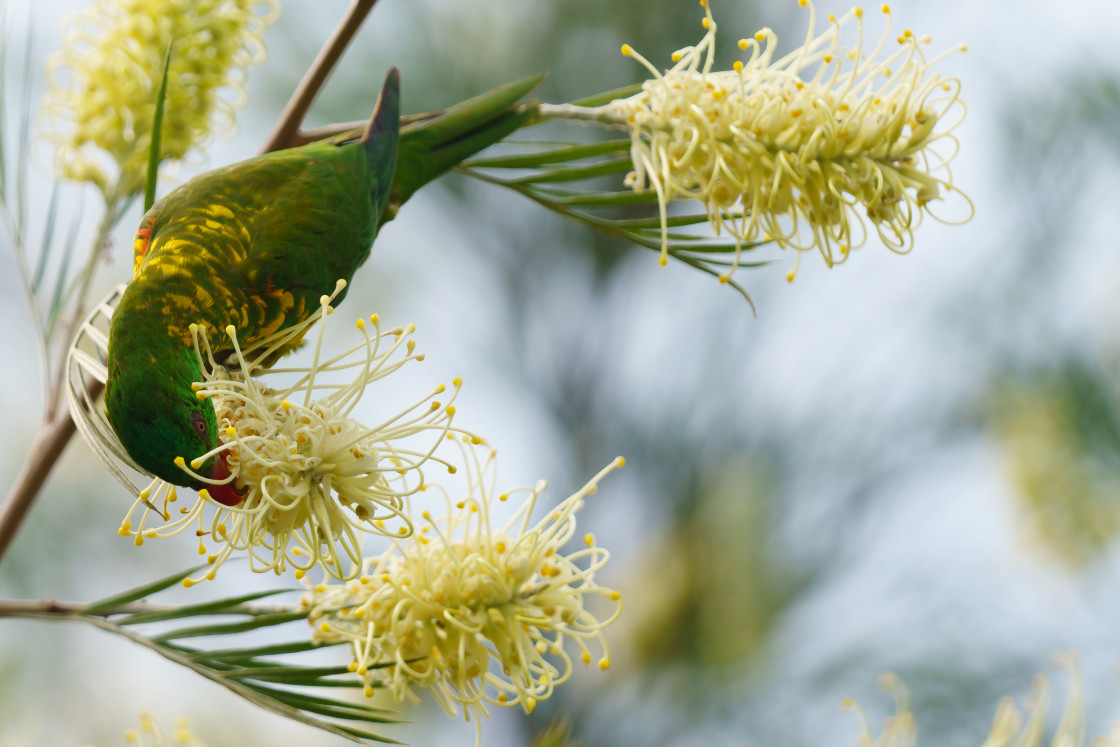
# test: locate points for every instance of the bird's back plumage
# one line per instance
(256, 244)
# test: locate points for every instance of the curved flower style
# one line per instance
(114, 52)
(801, 149)
(476, 612)
(1008, 727)
(314, 480)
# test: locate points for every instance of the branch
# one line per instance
(47, 608)
(286, 132)
(45, 451)
(54, 608)
(303, 137)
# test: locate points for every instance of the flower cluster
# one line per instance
(113, 55)
(152, 734)
(1008, 727)
(314, 480)
(801, 149)
(478, 613)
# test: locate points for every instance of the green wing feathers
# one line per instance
(256, 244)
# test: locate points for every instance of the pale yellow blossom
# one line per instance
(479, 613)
(805, 150)
(105, 79)
(313, 480)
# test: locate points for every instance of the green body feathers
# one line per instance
(255, 245)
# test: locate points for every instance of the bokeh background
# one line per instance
(905, 463)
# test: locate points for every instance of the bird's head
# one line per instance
(159, 417)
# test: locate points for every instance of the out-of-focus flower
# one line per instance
(1008, 728)
(800, 150)
(478, 613)
(100, 110)
(716, 605)
(900, 729)
(152, 734)
(314, 480)
(1060, 450)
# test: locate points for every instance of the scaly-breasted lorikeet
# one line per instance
(256, 245)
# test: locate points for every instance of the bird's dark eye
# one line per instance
(199, 423)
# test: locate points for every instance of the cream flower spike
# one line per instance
(101, 101)
(801, 150)
(480, 613)
(314, 480)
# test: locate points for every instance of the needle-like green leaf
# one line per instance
(125, 597)
(157, 132)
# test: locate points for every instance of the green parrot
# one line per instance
(256, 245)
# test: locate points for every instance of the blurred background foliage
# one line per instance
(904, 463)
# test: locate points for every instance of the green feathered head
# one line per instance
(157, 414)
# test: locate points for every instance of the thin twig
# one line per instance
(286, 130)
(96, 254)
(303, 137)
(45, 451)
(54, 608)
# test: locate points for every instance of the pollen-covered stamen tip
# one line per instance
(309, 481)
(493, 629)
(809, 151)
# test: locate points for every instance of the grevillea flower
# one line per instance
(314, 480)
(480, 613)
(1008, 727)
(1066, 484)
(804, 150)
(105, 79)
(152, 734)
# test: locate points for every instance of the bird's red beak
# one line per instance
(223, 494)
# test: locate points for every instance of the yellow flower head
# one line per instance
(113, 54)
(477, 612)
(802, 149)
(313, 480)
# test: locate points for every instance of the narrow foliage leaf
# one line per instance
(260, 621)
(562, 154)
(132, 595)
(220, 607)
(157, 132)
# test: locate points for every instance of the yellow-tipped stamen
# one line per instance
(314, 481)
(477, 613)
(807, 150)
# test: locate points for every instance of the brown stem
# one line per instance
(45, 451)
(303, 137)
(55, 608)
(284, 135)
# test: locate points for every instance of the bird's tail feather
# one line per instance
(381, 138)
